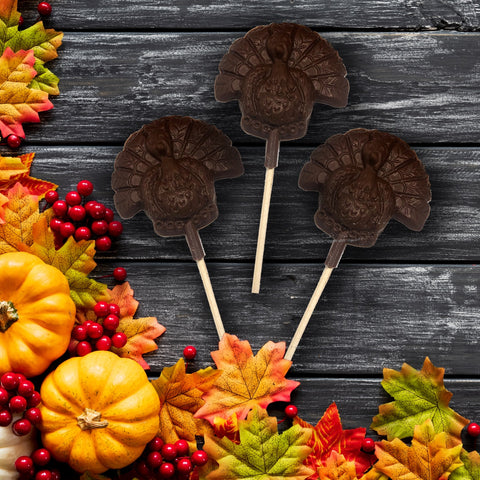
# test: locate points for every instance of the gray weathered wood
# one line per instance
(420, 86)
(452, 232)
(239, 14)
(369, 316)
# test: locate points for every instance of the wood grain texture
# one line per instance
(420, 86)
(369, 315)
(238, 14)
(451, 234)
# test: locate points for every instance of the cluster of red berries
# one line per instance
(83, 220)
(99, 335)
(34, 466)
(18, 397)
(169, 460)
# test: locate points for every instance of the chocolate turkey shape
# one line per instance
(366, 177)
(168, 169)
(277, 72)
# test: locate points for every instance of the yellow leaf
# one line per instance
(337, 468)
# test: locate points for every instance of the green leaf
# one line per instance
(263, 454)
(419, 395)
(470, 469)
(45, 79)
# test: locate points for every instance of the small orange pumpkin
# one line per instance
(36, 314)
(98, 412)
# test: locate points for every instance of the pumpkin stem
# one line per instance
(91, 419)
(8, 315)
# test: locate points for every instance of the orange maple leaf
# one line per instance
(20, 214)
(180, 396)
(17, 169)
(18, 102)
(141, 332)
(246, 380)
(328, 435)
(337, 467)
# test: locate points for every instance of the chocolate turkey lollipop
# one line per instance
(277, 72)
(365, 178)
(167, 169)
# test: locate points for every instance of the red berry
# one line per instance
(111, 322)
(34, 400)
(101, 309)
(154, 459)
(43, 475)
(14, 141)
(26, 388)
(79, 332)
(169, 451)
(21, 377)
(368, 445)
(473, 429)
(9, 381)
(83, 348)
(4, 396)
(85, 188)
(142, 469)
(56, 224)
(5, 418)
(119, 340)
(51, 196)
(120, 274)
(60, 208)
(103, 343)
(109, 215)
(115, 228)
(24, 464)
(89, 205)
(20, 21)
(103, 244)
(17, 404)
(41, 457)
(22, 427)
(182, 447)
(291, 411)
(82, 233)
(190, 352)
(114, 309)
(199, 458)
(34, 415)
(56, 474)
(77, 213)
(73, 198)
(67, 229)
(44, 8)
(184, 465)
(166, 470)
(99, 227)
(97, 211)
(95, 330)
(155, 445)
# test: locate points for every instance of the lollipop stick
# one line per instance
(272, 148)
(333, 258)
(196, 248)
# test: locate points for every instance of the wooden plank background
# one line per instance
(414, 70)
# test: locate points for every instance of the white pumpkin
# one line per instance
(11, 447)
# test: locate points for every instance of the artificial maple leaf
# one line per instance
(73, 259)
(374, 474)
(141, 332)
(3, 201)
(20, 214)
(471, 466)
(336, 467)
(227, 428)
(418, 395)
(180, 395)
(17, 169)
(44, 44)
(18, 102)
(246, 380)
(262, 453)
(428, 458)
(328, 435)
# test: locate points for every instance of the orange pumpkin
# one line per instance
(36, 314)
(98, 412)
